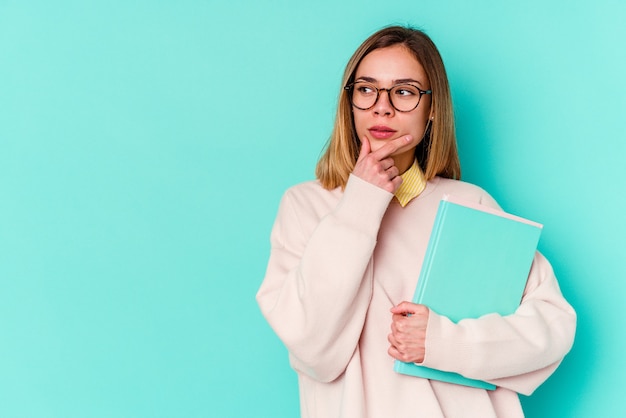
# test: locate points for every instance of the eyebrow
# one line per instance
(399, 81)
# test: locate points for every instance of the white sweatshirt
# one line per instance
(341, 259)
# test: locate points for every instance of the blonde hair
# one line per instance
(437, 153)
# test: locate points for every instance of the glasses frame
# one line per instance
(350, 89)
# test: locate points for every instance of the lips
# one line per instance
(381, 132)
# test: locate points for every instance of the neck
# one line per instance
(404, 162)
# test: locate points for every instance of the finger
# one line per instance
(393, 352)
(394, 346)
(397, 321)
(392, 146)
(365, 148)
(397, 181)
(399, 352)
(404, 308)
(392, 173)
(387, 163)
(409, 307)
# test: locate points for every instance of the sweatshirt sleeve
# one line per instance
(318, 282)
(518, 351)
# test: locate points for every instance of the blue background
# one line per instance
(144, 147)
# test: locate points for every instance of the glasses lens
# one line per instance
(364, 95)
(404, 97)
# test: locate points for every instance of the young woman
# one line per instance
(347, 250)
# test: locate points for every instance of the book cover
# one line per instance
(476, 263)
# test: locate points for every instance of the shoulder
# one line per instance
(310, 199)
(311, 192)
(442, 186)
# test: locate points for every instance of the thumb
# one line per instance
(365, 148)
(404, 308)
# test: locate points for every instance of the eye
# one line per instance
(405, 91)
(364, 89)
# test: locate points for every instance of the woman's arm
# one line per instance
(318, 285)
(517, 351)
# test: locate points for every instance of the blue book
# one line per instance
(476, 263)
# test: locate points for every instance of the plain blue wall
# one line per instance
(144, 147)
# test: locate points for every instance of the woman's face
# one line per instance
(385, 68)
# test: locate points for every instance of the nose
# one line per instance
(383, 104)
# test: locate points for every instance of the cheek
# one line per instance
(417, 125)
(359, 124)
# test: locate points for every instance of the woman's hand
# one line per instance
(408, 332)
(377, 167)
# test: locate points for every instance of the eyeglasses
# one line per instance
(403, 97)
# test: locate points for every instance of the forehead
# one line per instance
(391, 63)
